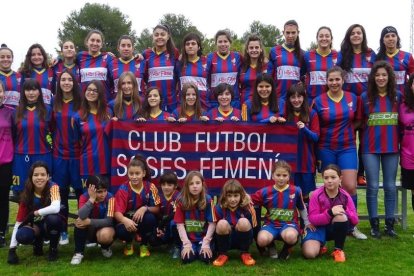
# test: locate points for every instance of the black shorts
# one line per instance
(407, 178)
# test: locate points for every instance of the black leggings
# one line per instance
(5, 183)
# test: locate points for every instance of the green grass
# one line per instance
(371, 257)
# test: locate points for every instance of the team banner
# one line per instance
(221, 151)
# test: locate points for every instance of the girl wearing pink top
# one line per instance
(406, 121)
(331, 211)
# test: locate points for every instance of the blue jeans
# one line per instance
(389, 164)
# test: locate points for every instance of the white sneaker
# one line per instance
(107, 253)
(91, 244)
(64, 238)
(76, 259)
(273, 252)
(358, 234)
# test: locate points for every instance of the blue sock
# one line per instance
(355, 200)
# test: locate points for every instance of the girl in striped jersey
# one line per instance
(89, 125)
(190, 108)
(406, 120)
(38, 215)
(127, 62)
(339, 113)
(224, 112)
(136, 204)
(282, 202)
(357, 61)
(194, 216)
(402, 62)
(127, 103)
(307, 121)
(380, 112)
(31, 130)
(35, 66)
(236, 219)
(223, 66)
(68, 62)
(10, 79)
(264, 106)
(94, 65)
(318, 62)
(254, 64)
(152, 106)
(286, 64)
(159, 66)
(6, 159)
(65, 148)
(192, 68)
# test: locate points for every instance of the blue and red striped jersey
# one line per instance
(101, 210)
(307, 139)
(95, 68)
(214, 113)
(281, 205)
(24, 210)
(11, 81)
(65, 144)
(263, 116)
(129, 200)
(44, 77)
(162, 116)
(285, 68)
(58, 69)
(159, 72)
(128, 110)
(247, 82)
(167, 207)
(356, 81)
(94, 147)
(31, 131)
(190, 117)
(223, 70)
(195, 220)
(380, 121)
(316, 67)
(233, 216)
(336, 120)
(403, 65)
(119, 66)
(194, 72)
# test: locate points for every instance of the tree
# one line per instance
(144, 40)
(179, 26)
(110, 21)
(312, 46)
(269, 34)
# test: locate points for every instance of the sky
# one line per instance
(39, 21)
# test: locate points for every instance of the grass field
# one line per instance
(371, 257)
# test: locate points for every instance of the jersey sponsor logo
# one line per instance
(400, 77)
(286, 72)
(12, 98)
(317, 78)
(357, 75)
(161, 73)
(229, 78)
(89, 74)
(383, 119)
(194, 226)
(281, 214)
(199, 81)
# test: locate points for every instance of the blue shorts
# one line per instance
(305, 181)
(322, 234)
(346, 159)
(66, 172)
(21, 167)
(277, 231)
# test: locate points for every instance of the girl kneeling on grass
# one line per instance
(235, 218)
(331, 210)
(95, 221)
(282, 202)
(195, 220)
(38, 215)
(136, 204)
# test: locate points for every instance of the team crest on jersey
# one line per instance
(368, 58)
(50, 78)
(138, 65)
(204, 67)
(233, 61)
(292, 196)
(350, 104)
(104, 57)
(167, 56)
(334, 61)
